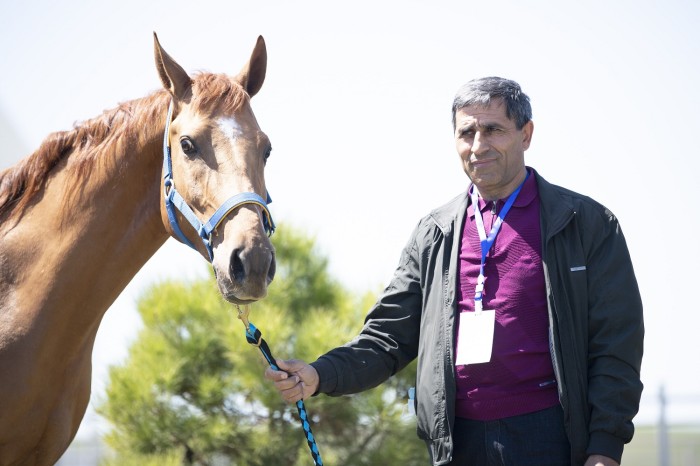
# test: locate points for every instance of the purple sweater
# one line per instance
(519, 379)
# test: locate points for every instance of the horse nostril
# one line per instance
(273, 268)
(236, 267)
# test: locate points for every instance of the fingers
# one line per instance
(286, 370)
(289, 380)
(290, 387)
(275, 376)
(291, 365)
(294, 394)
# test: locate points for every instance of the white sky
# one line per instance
(357, 105)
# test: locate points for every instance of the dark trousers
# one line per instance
(534, 439)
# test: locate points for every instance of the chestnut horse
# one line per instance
(81, 215)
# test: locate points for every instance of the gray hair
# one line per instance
(482, 91)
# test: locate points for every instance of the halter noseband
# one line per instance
(173, 200)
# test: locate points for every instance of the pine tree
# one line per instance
(192, 392)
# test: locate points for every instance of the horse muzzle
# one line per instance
(246, 276)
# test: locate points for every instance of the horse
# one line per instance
(83, 213)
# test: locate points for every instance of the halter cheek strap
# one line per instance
(173, 200)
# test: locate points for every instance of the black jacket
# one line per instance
(595, 313)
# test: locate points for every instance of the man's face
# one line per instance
(492, 149)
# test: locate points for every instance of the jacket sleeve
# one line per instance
(389, 339)
(615, 340)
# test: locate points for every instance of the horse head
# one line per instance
(218, 153)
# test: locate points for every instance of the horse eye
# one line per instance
(267, 153)
(188, 146)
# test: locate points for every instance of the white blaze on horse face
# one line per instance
(242, 251)
(233, 131)
(230, 127)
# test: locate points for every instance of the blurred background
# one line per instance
(357, 105)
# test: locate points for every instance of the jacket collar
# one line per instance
(450, 216)
(556, 208)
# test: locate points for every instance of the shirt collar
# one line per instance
(528, 193)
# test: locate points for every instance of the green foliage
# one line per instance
(192, 389)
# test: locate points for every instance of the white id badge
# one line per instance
(475, 337)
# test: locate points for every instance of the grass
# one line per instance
(644, 450)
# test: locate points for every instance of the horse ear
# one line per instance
(174, 78)
(252, 75)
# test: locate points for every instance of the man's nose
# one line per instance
(480, 144)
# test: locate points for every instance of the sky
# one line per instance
(357, 105)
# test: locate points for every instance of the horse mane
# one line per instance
(89, 139)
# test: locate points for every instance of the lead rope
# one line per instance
(254, 337)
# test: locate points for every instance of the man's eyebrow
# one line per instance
(492, 124)
(464, 128)
(479, 125)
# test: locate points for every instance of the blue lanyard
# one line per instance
(487, 241)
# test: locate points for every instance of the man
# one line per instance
(520, 302)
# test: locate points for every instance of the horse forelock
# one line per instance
(217, 94)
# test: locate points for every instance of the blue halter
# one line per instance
(173, 200)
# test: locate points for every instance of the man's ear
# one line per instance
(527, 134)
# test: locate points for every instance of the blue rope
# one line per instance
(254, 337)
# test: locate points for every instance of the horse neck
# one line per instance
(84, 239)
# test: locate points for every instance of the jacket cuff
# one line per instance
(327, 376)
(602, 443)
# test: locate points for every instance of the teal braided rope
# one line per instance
(254, 337)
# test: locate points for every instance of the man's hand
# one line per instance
(295, 381)
(600, 460)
